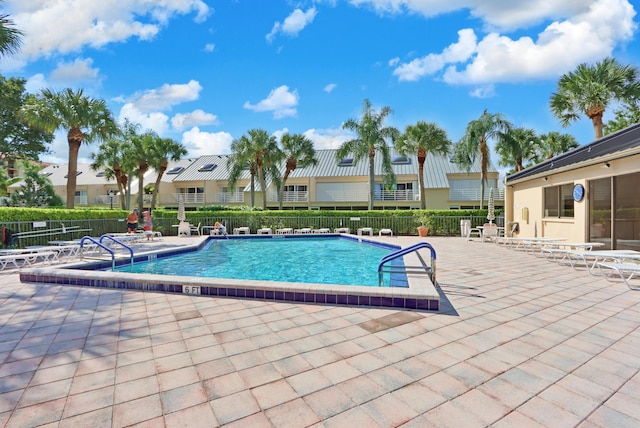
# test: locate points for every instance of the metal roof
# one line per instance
(436, 168)
(220, 172)
(616, 145)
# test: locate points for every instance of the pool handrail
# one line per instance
(410, 249)
(104, 247)
(117, 242)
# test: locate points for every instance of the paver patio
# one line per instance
(519, 341)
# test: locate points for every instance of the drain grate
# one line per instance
(389, 321)
(188, 315)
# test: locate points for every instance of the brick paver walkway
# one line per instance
(520, 341)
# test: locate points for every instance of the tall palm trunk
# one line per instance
(484, 159)
(422, 156)
(156, 186)
(123, 190)
(595, 114)
(74, 138)
(281, 192)
(142, 170)
(372, 177)
(263, 186)
(252, 171)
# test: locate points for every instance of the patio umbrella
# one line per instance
(181, 215)
(490, 208)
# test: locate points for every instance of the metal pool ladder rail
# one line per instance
(107, 249)
(429, 270)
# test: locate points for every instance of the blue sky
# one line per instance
(204, 72)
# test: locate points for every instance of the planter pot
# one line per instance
(423, 231)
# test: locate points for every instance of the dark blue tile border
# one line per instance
(57, 276)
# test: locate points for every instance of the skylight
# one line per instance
(77, 173)
(400, 160)
(100, 174)
(346, 162)
(175, 170)
(207, 167)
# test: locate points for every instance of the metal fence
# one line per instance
(26, 233)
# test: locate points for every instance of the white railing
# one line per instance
(474, 194)
(290, 196)
(225, 197)
(189, 198)
(394, 195)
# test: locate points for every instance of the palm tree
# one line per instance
(260, 151)
(110, 158)
(139, 150)
(590, 90)
(86, 119)
(474, 143)
(552, 144)
(163, 151)
(421, 139)
(299, 152)
(10, 37)
(516, 146)
(372, 138)
(241, 158)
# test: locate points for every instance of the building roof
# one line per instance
(612, 146)
(214, 167)
(436, 168)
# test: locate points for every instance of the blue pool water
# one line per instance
(309, 260)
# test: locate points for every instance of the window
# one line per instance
(296, 188)
(100, 174)
(400, 160)
(46, 174)
(558, 201)
(207, 167)
(346, 162)
(77, 173)
(175, 170)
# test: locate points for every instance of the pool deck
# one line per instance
(518, 341)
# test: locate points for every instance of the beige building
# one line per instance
(589, 194)
(331, 184)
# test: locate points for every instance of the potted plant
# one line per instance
(423, 229)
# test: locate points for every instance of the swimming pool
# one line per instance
(308, 260)
(420, 294)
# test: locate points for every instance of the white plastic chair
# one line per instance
(195, 229)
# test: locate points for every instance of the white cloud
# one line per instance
(330, 87)
(156, 121)
(166, 96)
(197, 117)
(78, 71)
(209, 47)
(293, 24)
(280, 101)
(586, 36)
(63, 26)
(498, 14)
(200, 143)
(459, 51)
(487, 91)
(327, 138)
(36, 83)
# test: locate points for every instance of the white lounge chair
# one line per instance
(625, 271)
(195, 229)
